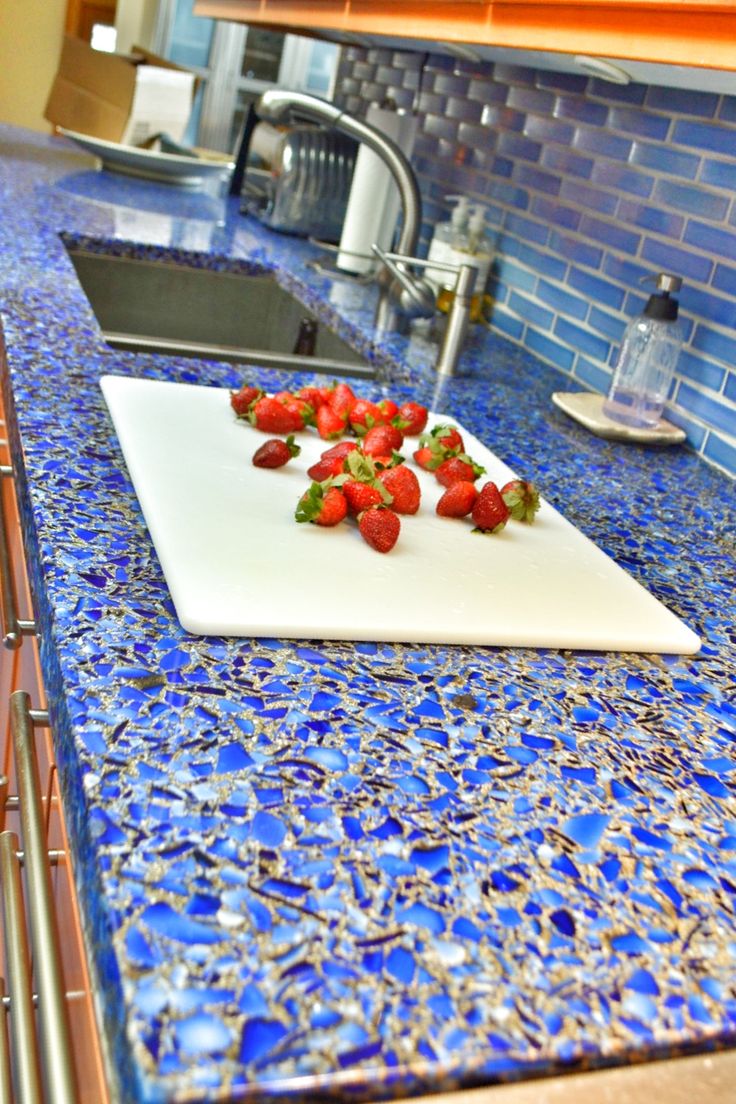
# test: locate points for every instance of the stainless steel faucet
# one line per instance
(412, 295)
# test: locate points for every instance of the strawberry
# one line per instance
(341, 399)
(342, 448)
(271, 416)
(330, 424)
(322, 505)
(299, 406)
(360, 496)
(457, 468)
(458, 500)
(445, 435)
(522, 499)
(379, 527)
(411, 418)
(241, 401)
(390, 409)
(403, 486)
(429, 458)
(364, 415)
(382, 440)
(490, 512)
(275, 453)
(315, 396)
(326, 469)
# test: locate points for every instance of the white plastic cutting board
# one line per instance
(238, 564)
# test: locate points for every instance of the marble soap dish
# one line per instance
(587, 408)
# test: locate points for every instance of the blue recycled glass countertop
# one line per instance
(363, 869)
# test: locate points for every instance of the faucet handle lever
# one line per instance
(418, 297)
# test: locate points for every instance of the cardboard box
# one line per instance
(118, 98)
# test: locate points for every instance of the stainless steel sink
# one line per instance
(160, 307)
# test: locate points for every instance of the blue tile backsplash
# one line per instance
(588, 187)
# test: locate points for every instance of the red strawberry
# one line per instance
(241, 401)
(299, 406)
(315, 396)
(382, 440)
(364, 415)
(322, 505)
(447, 436)
(522, 499)
(411, 418)
(342, 448)
(326, 469)
(403, 486)
(360, 496)
(490, 512)
(275, 453)
(457, 468)
(271, 416)
(330, 424)
(429, 458)
(390, 408)
(379, 527)
(342, 399)
(458, 500)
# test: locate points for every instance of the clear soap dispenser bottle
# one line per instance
(445, 234)
(647, 358)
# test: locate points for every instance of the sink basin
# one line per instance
(160, 307)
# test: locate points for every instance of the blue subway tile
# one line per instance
(514, 274)
(465, 110)
(683, 101)
(691, 198)
(703, 406)
(575, 249)
(695, 432)
(544, 264)
(629, 273)
(724, 278)
(451, 84)
(487, 91)
(711, 238)
(720, 452)
(730, 389)
(540, 181)
(665, 159)
(681, 262)
(611, 234)
(502, 166)
(498, 115)
(720, 173)
(728, 109)
(531, 99)
(625, 93)
(715, 344)
(641, 123)
(526, 229)
(439, 126)
(582, 340)
(548, 130)
(562, 300)
(712, 308)
(593, 198)
(513, 144)
(603, 142)
(651, 218)
(608, 324)
(700, 371)
(565, 82)
(595, 288)
(476, 136)
(553, 212)
(507, 193)
(531, 312)
(514, 74)
(581, 110)
(592, 374)
(550, 350)
(565, 161)
(624, 179)
(507, 324)
(707, 136)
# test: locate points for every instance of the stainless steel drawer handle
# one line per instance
(13, 629)
(58, 1065)
(23, 1030)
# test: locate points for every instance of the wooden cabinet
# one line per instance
(682, 32)
(20, 671)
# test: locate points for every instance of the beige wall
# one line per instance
(31, 32)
